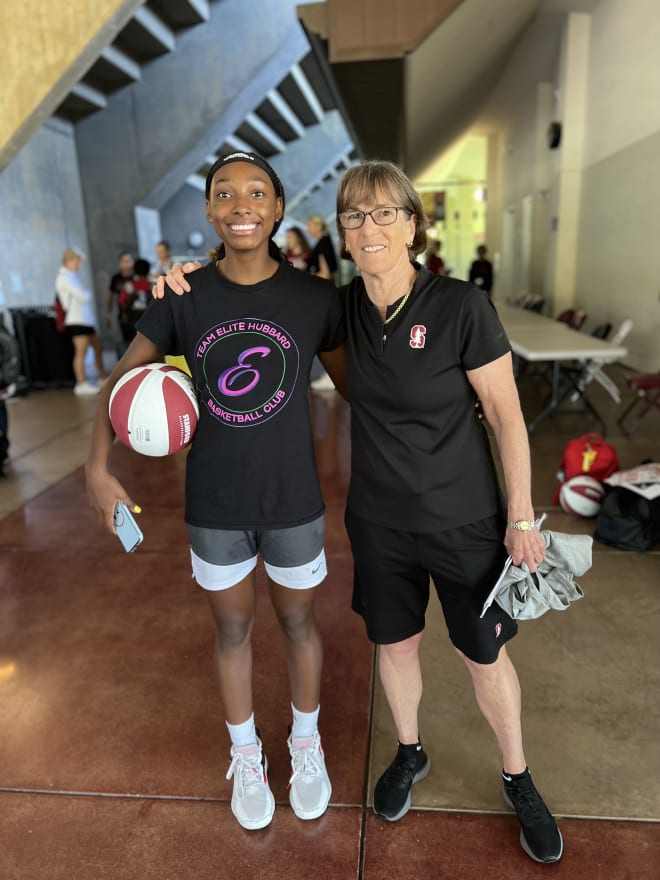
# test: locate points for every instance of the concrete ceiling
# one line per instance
(304, 100)
(410, 110)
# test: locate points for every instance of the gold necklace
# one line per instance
(401, 304)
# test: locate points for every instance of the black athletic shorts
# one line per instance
(391, 582)
(80, 330)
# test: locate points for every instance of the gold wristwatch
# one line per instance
(523, 525)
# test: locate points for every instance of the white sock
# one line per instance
(304, 723)
(244, 734)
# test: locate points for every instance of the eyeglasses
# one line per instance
(384, 216)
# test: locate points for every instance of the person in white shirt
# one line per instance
(77, 303)
(163, 259)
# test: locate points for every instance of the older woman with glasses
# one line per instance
(424, 501)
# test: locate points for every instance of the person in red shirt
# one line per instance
(298, 249)
(434, 262)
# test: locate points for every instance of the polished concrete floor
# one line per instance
(113, 750)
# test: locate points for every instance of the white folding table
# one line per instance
(535, 337)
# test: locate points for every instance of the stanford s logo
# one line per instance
(418, 336)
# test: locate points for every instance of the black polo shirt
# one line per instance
(421, 459)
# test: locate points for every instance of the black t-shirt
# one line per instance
(324, 247)
(481, 274)
(118, 282)
(250, 349)
(421, 459)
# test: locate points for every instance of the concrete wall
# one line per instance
(618, 263)
(41, 214)
(46, 49)
(182, 215)
(520, 166)
(156, 132)
(601, 189)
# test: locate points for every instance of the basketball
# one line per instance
(153, 409)
(581, 495)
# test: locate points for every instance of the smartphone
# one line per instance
(128, 531)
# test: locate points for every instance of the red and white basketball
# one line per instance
(153, 409)
(581, 495)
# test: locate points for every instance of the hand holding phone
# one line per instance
(128, 531)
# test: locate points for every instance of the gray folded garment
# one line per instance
(524, 595)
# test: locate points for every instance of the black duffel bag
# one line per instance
(628, 520)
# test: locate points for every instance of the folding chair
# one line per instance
(574, 318)
(579, 317)
(647, 387)
(602, 331)
(536, 305)
(593, 369)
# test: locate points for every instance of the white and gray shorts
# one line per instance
(293, 557)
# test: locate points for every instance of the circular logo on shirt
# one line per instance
(250, 368)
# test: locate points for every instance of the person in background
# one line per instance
(434, 262)
(163, 259)
(298, 249)
(134, 298)
(9, 372)
(77, 303)
(481, 270)
(251, 480)
(323, 259)
(119, 279)
(424, 502)
(4, 432)
(322, 262)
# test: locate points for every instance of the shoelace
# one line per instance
(248, 769)
(529, 806)
(401, 772)
(305, 762)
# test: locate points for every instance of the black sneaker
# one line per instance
(539, 835)
(392, 796)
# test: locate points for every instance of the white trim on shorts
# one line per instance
(299, 577)
(222, 577)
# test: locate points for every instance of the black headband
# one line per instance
(260, 162)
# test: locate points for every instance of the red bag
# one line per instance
(588, 454)
(60, 315)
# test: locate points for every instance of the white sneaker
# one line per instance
(309, 786)
(84, 388)
(252, 801)
(323, 383)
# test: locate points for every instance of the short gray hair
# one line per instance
(361, 182)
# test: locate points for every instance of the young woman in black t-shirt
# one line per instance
(249, 332)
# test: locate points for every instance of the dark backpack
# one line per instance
(59, 314)
(9, 358)
(628, 520)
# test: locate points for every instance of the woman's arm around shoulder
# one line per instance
(175, 279)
